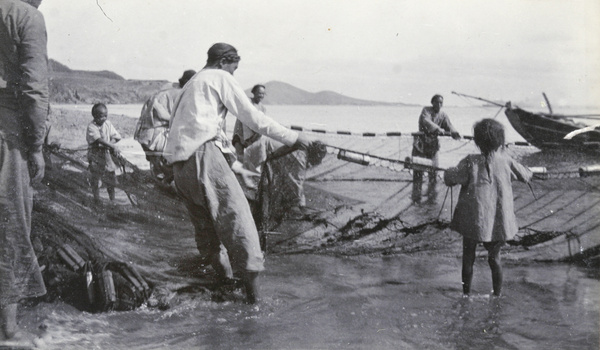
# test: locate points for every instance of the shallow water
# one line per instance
(321, 302)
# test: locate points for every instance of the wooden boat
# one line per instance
(548, 130)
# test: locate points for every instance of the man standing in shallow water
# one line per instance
(198, 148)
(243, 136)
(23, 112)
(432, 122)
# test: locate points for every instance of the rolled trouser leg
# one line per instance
(206, 181)
(251, 285)
(417, 185)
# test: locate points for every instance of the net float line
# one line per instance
(409, 163)
(424, 164)
(369, 134)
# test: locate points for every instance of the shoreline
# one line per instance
(350, 216)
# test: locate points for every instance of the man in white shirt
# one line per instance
(199, 151)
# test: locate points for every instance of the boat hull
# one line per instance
(548, 131)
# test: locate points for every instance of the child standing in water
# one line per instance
(101, 137)
(485, 210)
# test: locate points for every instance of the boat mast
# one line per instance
(547, 102)
(479, 98)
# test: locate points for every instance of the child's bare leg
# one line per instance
(8, 320)
(110, 180)
(493, 249)
(468, 259)
(95, 183)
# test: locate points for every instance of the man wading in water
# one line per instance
(198, 148)
(432, 122)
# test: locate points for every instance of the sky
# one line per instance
(382, 50)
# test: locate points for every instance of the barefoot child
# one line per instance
(484, 212)
(101, 137)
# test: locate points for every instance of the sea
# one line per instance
(356, 119)
(329, 302)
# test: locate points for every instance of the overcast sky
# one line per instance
(388, 50)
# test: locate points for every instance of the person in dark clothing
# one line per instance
(432, 122)
(23, 112)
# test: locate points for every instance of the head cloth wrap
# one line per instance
(222, 50)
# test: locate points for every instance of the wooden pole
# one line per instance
(547, 102)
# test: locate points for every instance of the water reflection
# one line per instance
(312, 301)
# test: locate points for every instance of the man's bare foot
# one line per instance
(20, 339)
(8, 320)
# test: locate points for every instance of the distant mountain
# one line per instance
(80, 86)
(58, 68)
(279, 93)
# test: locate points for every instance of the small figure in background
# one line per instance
(288, 171)
(485, 209)
(101, 137)
(432, 122)
(244, 137)
(152, 127)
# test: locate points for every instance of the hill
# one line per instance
(79, 86)
(279, 93)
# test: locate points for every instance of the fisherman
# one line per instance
(153, 126)
(199, 151)
(23, 112)
(244, 137)
(102, 137)
(432, 122)
(289, 171)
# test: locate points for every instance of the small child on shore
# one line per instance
(485, 209)
(101, 137)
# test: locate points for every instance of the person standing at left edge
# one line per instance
(23, 112)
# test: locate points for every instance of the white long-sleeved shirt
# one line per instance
(200, 111)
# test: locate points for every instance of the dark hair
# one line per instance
(96, 107)
(256, 87)
(488, 135)
(222, 50)
(436, 96)
(187, 75)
